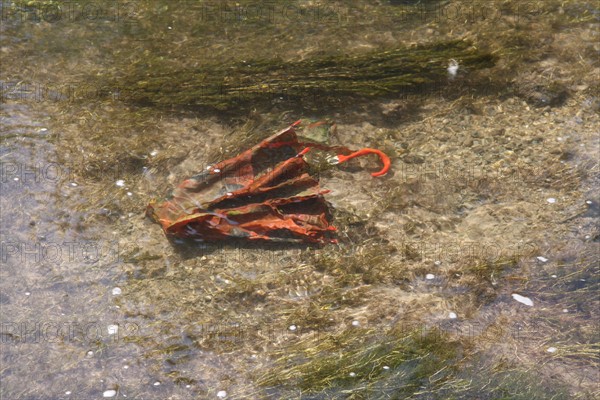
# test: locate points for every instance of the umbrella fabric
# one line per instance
(265, 193)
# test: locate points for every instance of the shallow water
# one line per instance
(493, 192)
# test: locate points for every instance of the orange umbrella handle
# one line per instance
(342, 158)
(382, 156)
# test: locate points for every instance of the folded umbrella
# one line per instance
(264, 193)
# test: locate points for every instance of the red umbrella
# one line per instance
(265, 193)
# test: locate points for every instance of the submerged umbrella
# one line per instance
(265, 193)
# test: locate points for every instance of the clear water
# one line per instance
(93, 298)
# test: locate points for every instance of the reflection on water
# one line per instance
(491, 198)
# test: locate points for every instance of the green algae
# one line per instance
(381, 73)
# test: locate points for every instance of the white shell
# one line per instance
(522, 299)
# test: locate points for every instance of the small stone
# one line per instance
(554, 276)
(129, 194)
(551, 349)
(542, 259)
(565, 310)
(430, 276)
(90, 353)
(120, 183)
(154, 153)
(352, 374)
(157, 383)
(113, 329)
(522, 299)
(551, 200)
(413, 159)
(452, 68)
(468, 142)
(109, 393)
(452, 315)
(292, 328)
(216, 170)
(385, 367)
(68, 392)
(43, 129)
(437, 263)
(221, 394)
(74, 184)
(116, 291)
(355, 323)
(27, 293)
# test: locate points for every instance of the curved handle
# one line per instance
(382, 156)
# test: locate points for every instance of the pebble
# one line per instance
(157, 383)
(551, 349)
(113, 329)
(542, 259)
(355, 323)
(452, 315)
(551, 200)
(68, 392)
(116, 291)
(352, 374)
(221, 394)
(522, 299)
(120, 183)
(153, 153)
(554, 276)
(430, 276)
(109, 393)
(292, 327)
(437, 263)
(27, 293)
(73, 184)
(453, 68)
(385, 367)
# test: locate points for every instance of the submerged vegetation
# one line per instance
(398, 362)
(317, 79)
